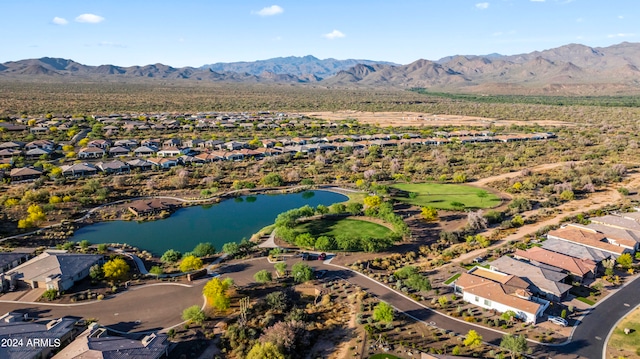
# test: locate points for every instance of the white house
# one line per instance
(499, 291)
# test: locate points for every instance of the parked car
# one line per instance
(559, 321)
(322, 256)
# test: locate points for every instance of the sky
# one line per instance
(198, 32)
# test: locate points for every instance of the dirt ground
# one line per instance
(415, 119)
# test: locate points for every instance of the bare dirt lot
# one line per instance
(416, 119)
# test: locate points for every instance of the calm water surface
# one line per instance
(228, 221)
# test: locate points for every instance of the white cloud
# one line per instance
(621, 35)
(90, 18)
(59, 21)
(270, 10)
(482, 5)
(335, 34)
(620, 17)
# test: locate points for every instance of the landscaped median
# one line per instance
(624, 341)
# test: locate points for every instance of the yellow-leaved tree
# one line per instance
(115, 269)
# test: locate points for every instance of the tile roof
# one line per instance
(495, 292)
(576, 250)
(573, 265)
(586, 238)
(545, 279)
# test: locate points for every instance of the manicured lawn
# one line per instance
(441, 196)
(629, 342)
(384, 356)
(351, 227)
(453, 278)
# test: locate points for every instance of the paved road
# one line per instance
(589, 337)
(585, 343)
(139, 309)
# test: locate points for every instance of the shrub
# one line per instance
(50, 294)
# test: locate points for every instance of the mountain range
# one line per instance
(572, 68)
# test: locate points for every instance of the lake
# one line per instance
(228, 221)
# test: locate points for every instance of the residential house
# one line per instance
(152, 142)
(37, 153)
(54, 269)
(9, 260)
(234, 145)
(104, 144)
(578, 268)
(172, 143)
(15, 329)
(97, 342)
(37, 130)
(172, 152)
(42, 144)
(588, 238)
(544, 281)
(129, 144)
(193, 143)
(211, 156)
(113, 167)
(501, 292)
(118, 151)
(24, 174)
(145, 207)
(627, 237)
(10, 153)
(163, 162)
(576, 250)
(145, 151)
(16, 145)
(79, 170)
(91, 152)
(140, 164)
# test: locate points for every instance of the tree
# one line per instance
(263, 276)
(508, 315)
(372, 201)
(96, 272)
(325, 243)
(156, 270)
(216, 292)
(171, 256)
(354, 207)
(625, 260)
(443, 301)
(459, 177)
(116, 269)
(473, 339)
(301, 272)
(194, 314)
(482, 195)
(383, 312)
(231, 248)
(102, 248)
(278, 301)
(281, 268)
(84, 244)
(305, 240)
(190, 263)
(429, 214)
(288, 336)
(272, 180)
(515, 344)
(476, 220)
(265, 351)
(204, 249)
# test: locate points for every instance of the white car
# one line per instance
(558, 320)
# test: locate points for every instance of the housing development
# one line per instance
(467, 206)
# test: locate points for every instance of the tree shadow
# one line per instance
(234, 268)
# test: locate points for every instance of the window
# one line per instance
(487, 302)
(477, 299)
